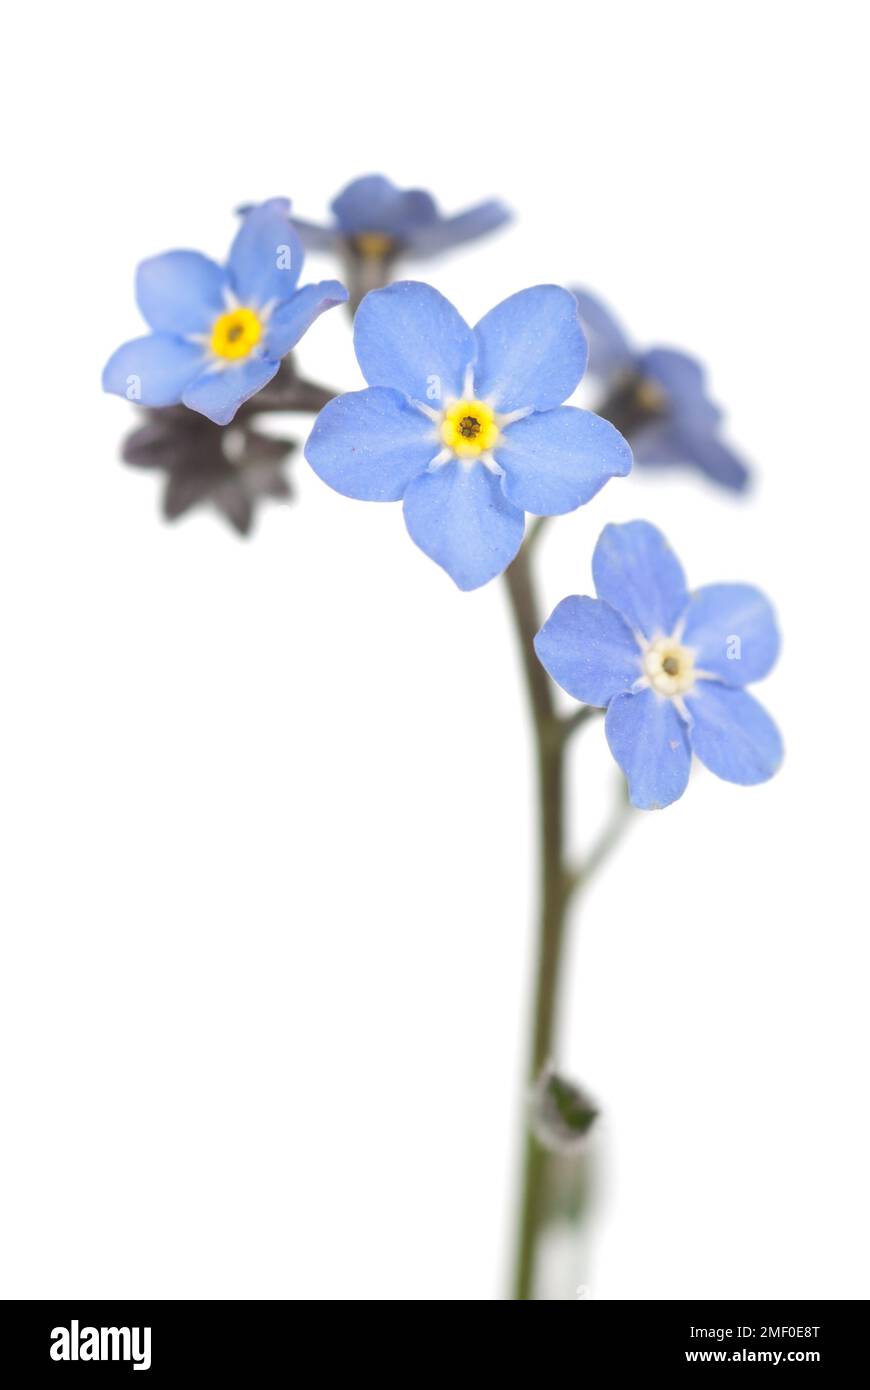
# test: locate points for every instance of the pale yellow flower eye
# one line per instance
(669, 667)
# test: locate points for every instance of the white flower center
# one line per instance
(668, 666)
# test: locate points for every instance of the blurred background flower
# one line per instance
(375, 224)
(231, 468)
(658, 399)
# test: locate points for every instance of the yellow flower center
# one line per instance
(235, 334)
(469, 428)
(650, 396)
(374, 244)
(669, 667)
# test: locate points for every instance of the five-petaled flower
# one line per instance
(466, 426)
(658, 398)
(669, 666)
(374, 218)
(219, 333)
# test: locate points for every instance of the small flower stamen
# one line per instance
(235, 334)
(669, 667)
(375, 246)
(469, 428)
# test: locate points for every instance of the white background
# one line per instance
(267, 806)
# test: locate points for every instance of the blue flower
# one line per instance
(659, 399)
(219, 333)
(375, 218)
(467, 426)
(669, 666)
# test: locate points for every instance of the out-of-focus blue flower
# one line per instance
(466, 426)
(659, 399)
(375, 218)
(669, 666)
(219, 333)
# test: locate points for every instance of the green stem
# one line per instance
(558, 881)
(555, 887)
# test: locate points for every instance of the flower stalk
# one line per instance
(559, 879)
(555, 889)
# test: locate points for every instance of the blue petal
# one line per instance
(732, 629)
(683, 381)
(589, 650)
(531, 350)
(314, 237)
(648, 739)
(219, 394)
(266, 257)
(670, 442)
(733, 734)
(715, 459)
(410, 337)
(295, 317)
(636, 571)
(555, 460)
(667, 444)
(453, 231)
(154, 370)
(180, 292)
(459, 516)
(374, 204)
(370, 444)
(609, 349)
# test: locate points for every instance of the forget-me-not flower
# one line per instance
(374, 218)
(219, 333)
(658, 398)
(668, 665)
(466, 426)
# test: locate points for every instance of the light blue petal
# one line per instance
(180, 292)
(291, 320)
(636, 571)
(153, 370)
(266, 257)
(732, 628)
(531, 350)
(649, 740)
(555, 460)
(314, 237)
(668, 442)
(733, 734)
(610, 351)
(410, 337)
(374, 204)
(219, 394)
(715, 459)
(589, 650)
(370, 444)
(658, 445)
(453, 231)
(682, 379)
(459, 516)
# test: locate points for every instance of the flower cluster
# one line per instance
(469, 429)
